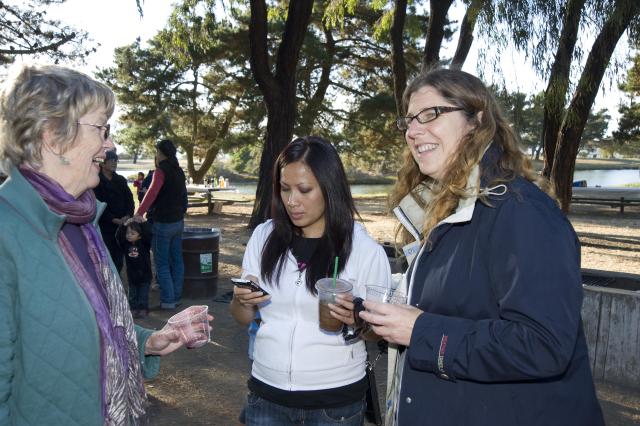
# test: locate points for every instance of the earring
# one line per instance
(63, 160)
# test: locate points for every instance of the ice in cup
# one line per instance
(377, 293)
(327, 294)
(192, 326)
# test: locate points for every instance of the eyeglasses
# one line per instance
(425, 116)
(106, 129)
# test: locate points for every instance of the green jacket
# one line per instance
(49, 339)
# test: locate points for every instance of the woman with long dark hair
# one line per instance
(300, 371)
(167, 195)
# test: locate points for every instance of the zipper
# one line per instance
(295, 323)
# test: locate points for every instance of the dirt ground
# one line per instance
(207, 386)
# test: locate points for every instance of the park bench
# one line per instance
(614, 202)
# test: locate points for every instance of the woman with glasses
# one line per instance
(69, 350)
(492, 333)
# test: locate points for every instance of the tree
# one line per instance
(566, 151)
(278, 88)
(25, 30)
(627, 137)
(186, 86)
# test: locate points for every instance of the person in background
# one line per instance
(492, 334)
(113, 190)
(301, 373)
(168, 195)
(137, 184)
(135, 241)
(69, 350)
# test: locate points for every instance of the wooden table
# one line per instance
(215, 198)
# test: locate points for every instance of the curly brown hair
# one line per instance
(466, 91)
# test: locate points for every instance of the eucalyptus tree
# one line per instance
(25, 29)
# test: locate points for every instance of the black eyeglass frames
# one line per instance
(424, 116)
(106, 129)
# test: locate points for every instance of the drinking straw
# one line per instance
(335, 271)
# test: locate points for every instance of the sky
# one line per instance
(117, 23)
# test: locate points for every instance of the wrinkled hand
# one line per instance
(394, 323)
(165, 341)
(248, 298)
(343, 309)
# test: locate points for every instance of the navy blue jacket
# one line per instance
(501, 339)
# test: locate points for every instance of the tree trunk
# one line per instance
(556, 93)
(435, 32)
(586, 91)
(398, 66)
(465, 40)
(307, 117)
(279, 90)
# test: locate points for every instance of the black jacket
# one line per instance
(169, 206)
(137, 255)
(119, 199)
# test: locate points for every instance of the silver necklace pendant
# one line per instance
(299, 280)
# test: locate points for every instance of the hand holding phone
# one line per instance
(242, 283)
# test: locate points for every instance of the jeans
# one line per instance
(260, 412)
(167, 253)
(139, 296)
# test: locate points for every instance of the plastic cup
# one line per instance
(377, 293)
(192, 325)
(327, 294)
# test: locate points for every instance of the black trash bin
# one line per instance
(200, 254)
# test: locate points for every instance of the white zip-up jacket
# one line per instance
(291, 352)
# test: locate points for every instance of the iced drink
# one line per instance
(327, 294)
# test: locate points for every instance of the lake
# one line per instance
(605, 178)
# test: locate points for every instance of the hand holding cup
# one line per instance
(192, 326)
(168, 339)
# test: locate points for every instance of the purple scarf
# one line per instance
(122, 397)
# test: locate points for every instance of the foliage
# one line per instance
(26, 30)
(186, 86)
(627, 137)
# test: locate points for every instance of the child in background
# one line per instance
(137, 184)
(135, 240)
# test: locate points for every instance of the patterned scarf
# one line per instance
(123, 394)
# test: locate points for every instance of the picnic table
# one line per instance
(213, 198)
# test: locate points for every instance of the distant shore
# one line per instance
(126, 167)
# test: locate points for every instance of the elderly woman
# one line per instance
(492, 334)
(69, 350)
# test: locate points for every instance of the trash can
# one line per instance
(200, 255)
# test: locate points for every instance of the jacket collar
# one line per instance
(25, 200)
(411, 211)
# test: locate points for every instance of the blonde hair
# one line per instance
(466, 91)
(36, 98)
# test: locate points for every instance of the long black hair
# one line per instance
(323, 160)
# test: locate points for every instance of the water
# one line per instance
(608, 178)
(250, 188)
(604, 178)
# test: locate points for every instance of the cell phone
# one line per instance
(242, 283)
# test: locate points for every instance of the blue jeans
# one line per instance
(167, 254)
(260, 412)
(139, 296)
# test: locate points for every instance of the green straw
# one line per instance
(335, 271)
